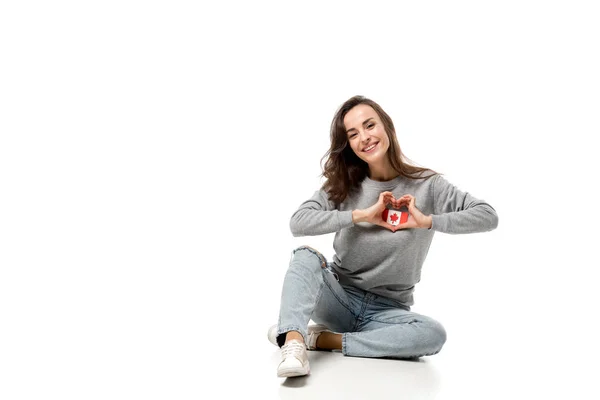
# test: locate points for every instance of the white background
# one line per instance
(151, 154)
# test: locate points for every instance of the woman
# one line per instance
(361, 301)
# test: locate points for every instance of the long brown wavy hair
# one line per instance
(344, 171)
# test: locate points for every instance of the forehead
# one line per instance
(357, 115)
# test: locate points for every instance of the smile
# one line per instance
(370, 148)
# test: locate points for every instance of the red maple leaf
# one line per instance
(394, 217)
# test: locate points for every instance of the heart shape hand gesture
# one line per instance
(376, 214)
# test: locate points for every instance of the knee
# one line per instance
(437, 336)
(306, 255)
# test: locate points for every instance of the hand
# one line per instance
(373, 214)
(416, 219)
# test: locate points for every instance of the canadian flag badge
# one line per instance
(394, 217)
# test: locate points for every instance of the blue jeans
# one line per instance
(371, 325)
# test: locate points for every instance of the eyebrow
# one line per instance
(353, 129)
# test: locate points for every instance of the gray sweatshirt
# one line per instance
(376, 259)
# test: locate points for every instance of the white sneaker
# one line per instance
(294, 360)
(313, 333)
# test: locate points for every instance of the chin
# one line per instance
(374, 159)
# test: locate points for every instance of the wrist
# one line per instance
(429, 222)
(358, 216)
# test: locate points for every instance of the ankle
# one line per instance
(294, 335)
(329, 341)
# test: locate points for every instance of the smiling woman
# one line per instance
(369, 141)
(359, 124)
(384, 213)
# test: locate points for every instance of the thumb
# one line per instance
(386, 225)
(411, 204)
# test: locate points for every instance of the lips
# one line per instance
(370, 147)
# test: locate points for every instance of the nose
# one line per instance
(364, 136)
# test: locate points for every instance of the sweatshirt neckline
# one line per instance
(382, 184)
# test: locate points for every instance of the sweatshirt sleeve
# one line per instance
(318, 216)
(458, 212)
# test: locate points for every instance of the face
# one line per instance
(366, 134)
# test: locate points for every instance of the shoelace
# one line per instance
(292, 348)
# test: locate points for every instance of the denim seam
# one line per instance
(392, 323)
(318, 297)
(360, 318)
(347, 307)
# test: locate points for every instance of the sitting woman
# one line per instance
(384, 213)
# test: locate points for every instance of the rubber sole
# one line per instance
(293, 372)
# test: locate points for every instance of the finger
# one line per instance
(399, 227)
(412, 202)
(401, 203)
(386, 225)
(405, 225)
